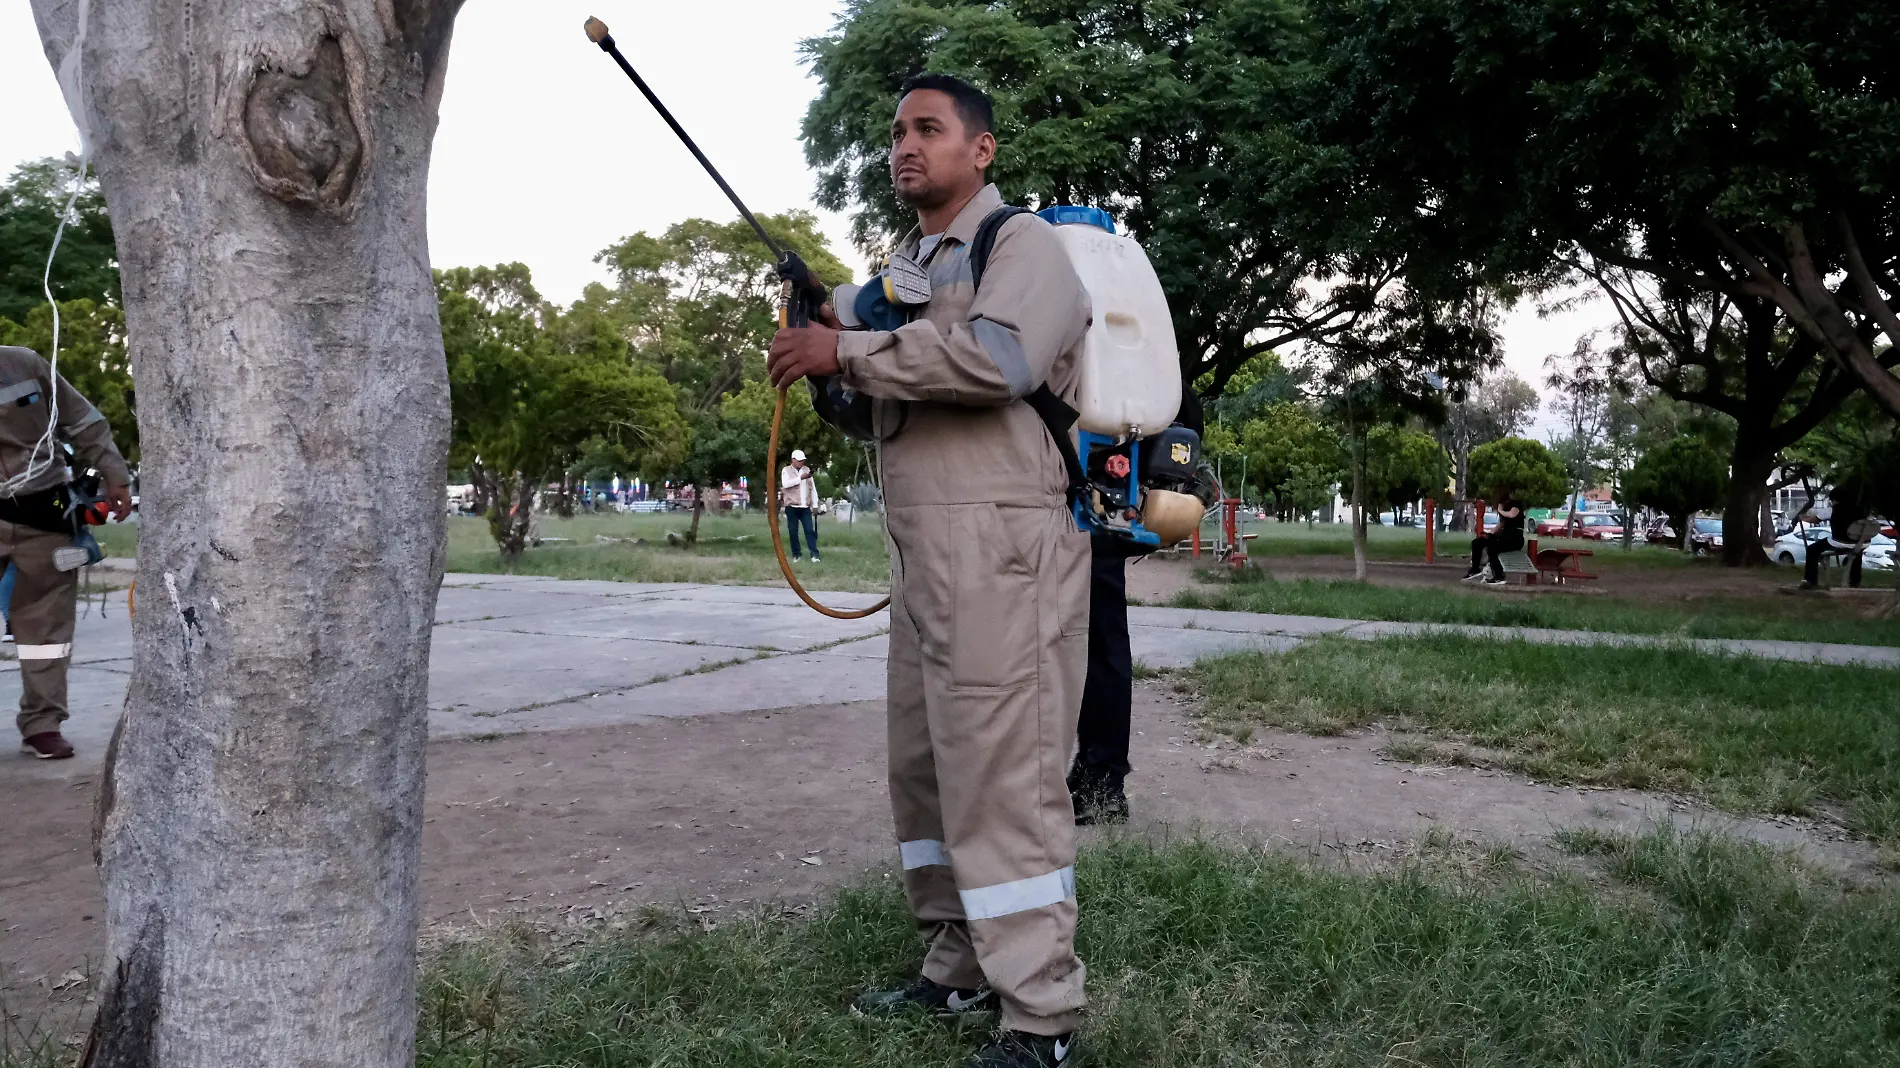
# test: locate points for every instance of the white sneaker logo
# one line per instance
(1062, 1050)
(959, 1003)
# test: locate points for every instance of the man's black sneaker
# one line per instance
(1097, 796)
(1020, 1049)
(924, 995)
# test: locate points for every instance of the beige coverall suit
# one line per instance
(44, 598)
(989, 612)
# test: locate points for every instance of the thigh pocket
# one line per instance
(993, 639)
(1069, 555)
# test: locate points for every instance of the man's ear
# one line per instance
(985, 149)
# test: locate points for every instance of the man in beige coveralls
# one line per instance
(989, 598)
(35, 524)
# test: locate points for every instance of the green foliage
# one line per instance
(91, 356)
(1857, 448)
(697, 306)
(1260, 384)
(1524, 467)
(1706, 149)
(1176, 117)
(698, 303)
(1679, 479)
(1293, 457)
(1404, 467)
(532, 394)
(86, 267)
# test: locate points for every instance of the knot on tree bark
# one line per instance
(301, 128)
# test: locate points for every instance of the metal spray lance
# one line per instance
(800, 297)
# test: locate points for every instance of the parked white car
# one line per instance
(1792, 549)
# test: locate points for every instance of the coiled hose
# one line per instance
(778, 537)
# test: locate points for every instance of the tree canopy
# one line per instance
(1738, 148)
(1525, 468)
(1178, 118)
(532, 390)
(1679, 479)
(86, 267)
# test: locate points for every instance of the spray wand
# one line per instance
(800, 297)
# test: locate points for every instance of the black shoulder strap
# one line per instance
(1056, 414)
(985, 240)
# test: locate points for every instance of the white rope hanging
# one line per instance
(72, 87)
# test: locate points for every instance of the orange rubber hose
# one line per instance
(778, 538)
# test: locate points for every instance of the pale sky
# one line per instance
(547, 154)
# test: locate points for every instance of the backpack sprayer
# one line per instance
(800, 297)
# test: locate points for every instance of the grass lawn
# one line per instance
(1750, 735)
(1683, 951)
(732, 549)
(1773, 615)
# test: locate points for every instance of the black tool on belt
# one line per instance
(55, 510)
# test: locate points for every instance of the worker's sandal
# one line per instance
(1020, 1049)
(924, 995)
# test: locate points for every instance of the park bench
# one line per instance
(1560, 564)
(1518, 563)
(1862, 533)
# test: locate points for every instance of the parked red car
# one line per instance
(1554, 526)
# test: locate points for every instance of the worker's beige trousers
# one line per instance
(989, 642)
(44, 601)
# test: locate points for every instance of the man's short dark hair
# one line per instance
(973, 104)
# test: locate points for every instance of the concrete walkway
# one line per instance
(520, 654)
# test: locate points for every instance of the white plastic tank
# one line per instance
(1130, 378)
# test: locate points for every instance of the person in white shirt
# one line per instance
(798, 493)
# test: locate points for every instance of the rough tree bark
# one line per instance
(511, 520)
(1750, 464)
(265, 163)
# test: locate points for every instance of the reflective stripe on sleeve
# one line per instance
(923, 853)
(1003, 899)
(46, 652)
(1006, 352)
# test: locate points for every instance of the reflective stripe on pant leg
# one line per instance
(916, 807)
(1021, 895)
(44, 599)
(923, 853)
(45, 652)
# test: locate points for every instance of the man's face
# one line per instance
(933, 158)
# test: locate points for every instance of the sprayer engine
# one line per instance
(1141, 490)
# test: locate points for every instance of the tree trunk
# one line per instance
(512, 520)
(1749, 467)
(1680, 524)
(1359, 512)
(266, 169)
(699, 510)
(483, 481)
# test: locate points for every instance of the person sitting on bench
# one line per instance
(1844, 534)
(1508, 538)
